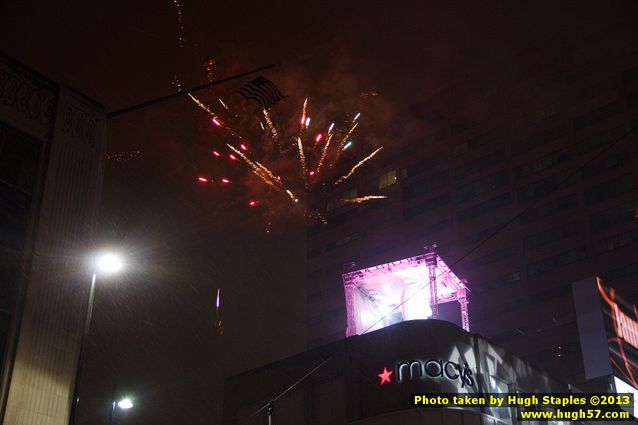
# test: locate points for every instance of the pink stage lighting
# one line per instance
(408, 289)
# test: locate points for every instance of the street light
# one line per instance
(105, 263)
(123, 404)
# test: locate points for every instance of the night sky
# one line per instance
(153, 332)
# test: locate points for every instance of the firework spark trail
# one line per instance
(269, 173)
(271, 127)
(363, 199)
(203, 106)
(290, 194)
(257, 170)
(360, 163)
(223, 104)
(216, 118)
(210, 69)
(177, 83)
(303, 122)
(302, 158)
(343, 142)
(260, 170)
(303, 113)
(323, 154)
(180, 23)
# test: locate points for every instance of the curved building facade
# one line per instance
(369, 379)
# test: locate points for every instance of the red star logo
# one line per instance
(385, 376)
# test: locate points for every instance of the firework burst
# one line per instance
(271, 156)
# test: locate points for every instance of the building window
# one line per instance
(429, 230)
(425, 185)
(341, 199)
(603, 191)
(484, 185)
(425, 164)
(621, 272)
(539, 139)
(483, 234)
(556, 261)
(485, 207)
(612, 161)
(550, 208)
(474, 143)
(480, 164)
(540, 164)
(596, 115)
(426, 206)
(602, 138)
(388, 179)
(542, 187)
(494, 256)
(615, 242)
(554, 234)
(614, 216)
(346, 240)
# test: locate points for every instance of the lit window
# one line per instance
(388, 179)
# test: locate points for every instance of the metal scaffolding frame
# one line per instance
(441, 280)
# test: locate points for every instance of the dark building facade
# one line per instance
(51, 159)
(525, 176)
(368, 379)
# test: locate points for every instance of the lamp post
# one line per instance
(106, 263)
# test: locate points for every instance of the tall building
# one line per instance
(525, 175)
(51, 158)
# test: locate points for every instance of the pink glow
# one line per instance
(312, 173)
(233, 157)
(302, 120)
(202, 179)
(216, 153)
(225, 180)
(252, 203)
(243, 147)
(279, 178)
(318, 138)
(217, 123)
(217, 302)
(373, 294)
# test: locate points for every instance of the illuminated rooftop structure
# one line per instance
(407, 289)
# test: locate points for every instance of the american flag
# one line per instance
(262, 90)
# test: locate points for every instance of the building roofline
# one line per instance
(11, 61)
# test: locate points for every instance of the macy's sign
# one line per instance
(416, 369)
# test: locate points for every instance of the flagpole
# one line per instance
(183, 92)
